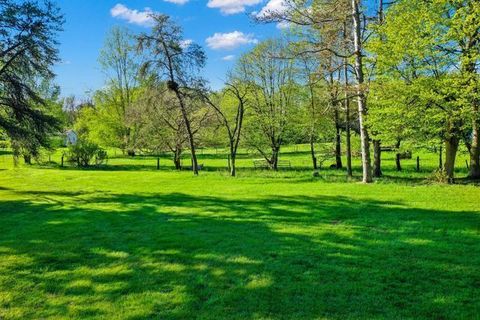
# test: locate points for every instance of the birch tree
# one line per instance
(331, 17)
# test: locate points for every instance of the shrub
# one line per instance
(84, 152)
(101, 156)
(439, 176)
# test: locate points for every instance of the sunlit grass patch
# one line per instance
(166, 245)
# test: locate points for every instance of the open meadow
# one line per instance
(239, 160)
(127, 241)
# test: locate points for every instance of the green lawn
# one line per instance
(129, 242)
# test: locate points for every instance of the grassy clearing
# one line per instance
(126, 243)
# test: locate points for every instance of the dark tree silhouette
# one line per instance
(28, 50)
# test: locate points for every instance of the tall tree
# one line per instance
(26, 146)
(359, 54)
(120, 63)
(178, 63)
(309, 69)
(160, 121)
(376, 142)
(330, 18)
(438, 64)
(28, 51)
(230, 108)
(271, 74)
(463, 35)
(348, 134)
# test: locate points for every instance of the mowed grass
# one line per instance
(122, 243)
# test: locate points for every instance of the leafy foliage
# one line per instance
(83, 152)
(28, 50)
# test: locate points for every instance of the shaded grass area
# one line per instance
(165, 245)
(214, 160)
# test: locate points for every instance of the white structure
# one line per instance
(71, 138)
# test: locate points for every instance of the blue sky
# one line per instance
(225, 23)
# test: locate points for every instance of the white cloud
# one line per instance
(230, 57)
(272, 7)
(232, 6)
(180, 2)
(186, 43)
(283, 25)
(229, 41)
(141, 18)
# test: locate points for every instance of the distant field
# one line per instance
(215, 159)
(126, 241)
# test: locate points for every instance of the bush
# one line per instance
(84, 152)
(101, 157)
(405, 155)
(439, 176)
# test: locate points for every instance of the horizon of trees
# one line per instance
(396, 76)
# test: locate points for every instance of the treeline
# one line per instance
(155, 100)
(396, 76)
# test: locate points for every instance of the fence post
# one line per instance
(418, 164)
(158, 163)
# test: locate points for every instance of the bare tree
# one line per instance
(348, 143)
(310, 74)
(231, 112)
(178, 63)
(161, 124)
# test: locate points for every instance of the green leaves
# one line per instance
(424, 50)
(28, 51)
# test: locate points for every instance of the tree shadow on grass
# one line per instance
(293, 174)
(179, 256)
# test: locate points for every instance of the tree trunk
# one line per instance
(347, 122)
(338, 140)
(312, 152)
(475, 148)
(451, 148)
(177, 160)
(361, 99)
(377, 158)
(469, 68)
(126, 141)
(377, 144)
(233, 168)
(232, 158)
(189, 132)
(235, 143)
(440, 158)
(398, 157)
(27, 159)
(398, 162)
(274, 160)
